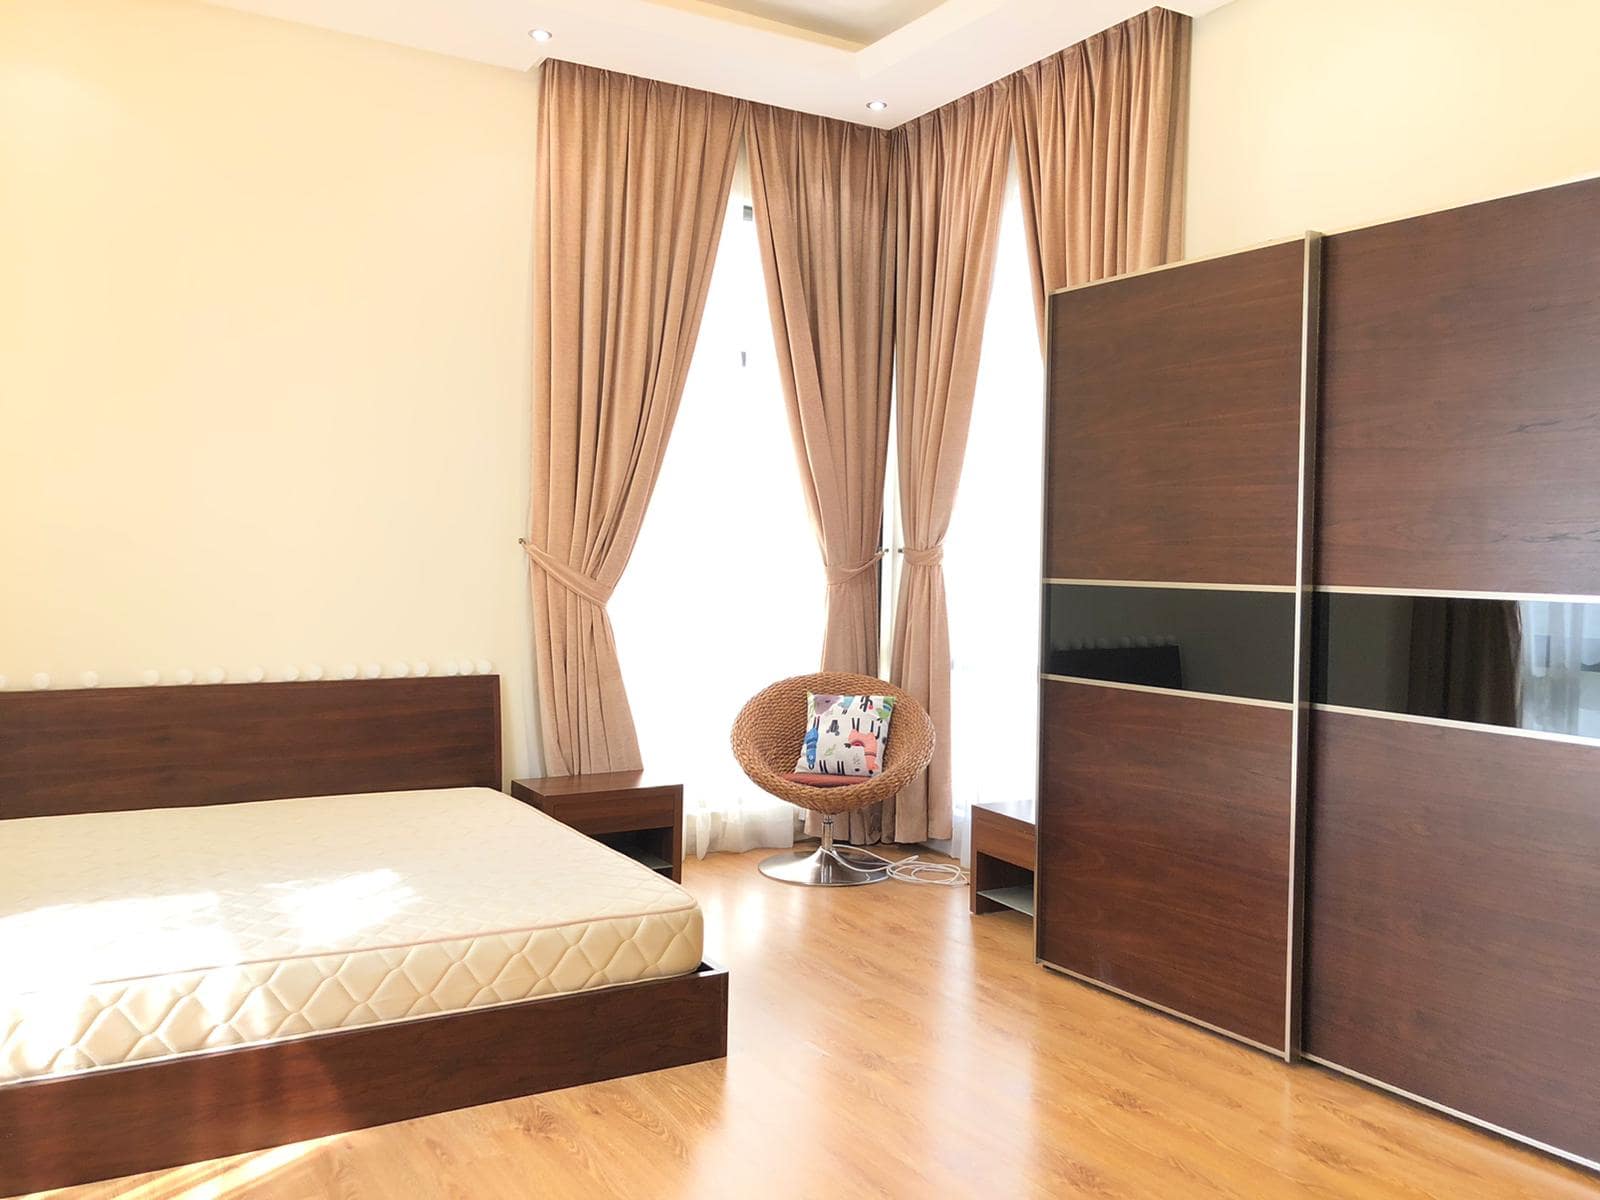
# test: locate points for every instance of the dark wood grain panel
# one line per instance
(1174, 417)
(103, 1124)
(1453, 936)
(1009, 832)
(1164, 851)
(101, 750)
(1461, 399)
(610, 814)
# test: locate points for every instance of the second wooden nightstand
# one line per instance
(1003, 840)
(627, 810)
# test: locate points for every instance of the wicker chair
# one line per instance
(766, 741)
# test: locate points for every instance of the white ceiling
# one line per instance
(820, 56)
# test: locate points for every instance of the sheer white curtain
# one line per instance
(991, 560)
(724, 593)
(1561, 667)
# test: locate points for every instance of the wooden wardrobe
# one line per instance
(1317, 516)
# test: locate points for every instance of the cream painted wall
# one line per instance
(1323, 114)
(264, 344)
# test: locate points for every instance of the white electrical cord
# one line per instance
(909, 870)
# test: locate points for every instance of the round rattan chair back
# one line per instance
(767, 735)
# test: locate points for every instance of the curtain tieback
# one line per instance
(839, 576)
(574, 581)
(931, 556)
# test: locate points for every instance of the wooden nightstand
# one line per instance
(1003, 842)
(627, 810)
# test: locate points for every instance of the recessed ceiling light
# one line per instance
(877, 105)
(540, 35)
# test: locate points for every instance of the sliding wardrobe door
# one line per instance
(1180, 419)
(1453, 938)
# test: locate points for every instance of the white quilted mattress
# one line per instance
(133, 936)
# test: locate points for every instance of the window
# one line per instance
(725, 590)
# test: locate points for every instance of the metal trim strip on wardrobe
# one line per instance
(1219, 697)
(1299, 750)
(1378, 714)
(1047, 417)
(1466, 1117)
(1275, 1051)
(1173, 584)
(1444, 594)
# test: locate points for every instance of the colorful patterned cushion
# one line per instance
(846, 735)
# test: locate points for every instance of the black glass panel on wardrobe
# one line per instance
(1228, 643)
(1527, 664)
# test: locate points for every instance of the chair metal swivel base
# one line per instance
(826, 866)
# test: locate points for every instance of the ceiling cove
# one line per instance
(830, 57)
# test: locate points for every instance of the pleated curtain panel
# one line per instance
(825, 222)
(1101, 147)
(950, 176)
(878, 252)
(633, 180)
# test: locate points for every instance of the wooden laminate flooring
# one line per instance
(885, 1043)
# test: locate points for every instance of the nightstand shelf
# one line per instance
(659, 865)
(649, 847)
(1019, 898)
(630, 811)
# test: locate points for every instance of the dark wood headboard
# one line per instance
(102, 750)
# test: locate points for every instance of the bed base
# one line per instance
(107, 749)
(103, 1124)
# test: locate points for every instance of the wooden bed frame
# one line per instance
(167, 747)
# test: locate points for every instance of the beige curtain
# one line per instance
(824, 217)
(950, 173)
(1100, 132)
(633, 181)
